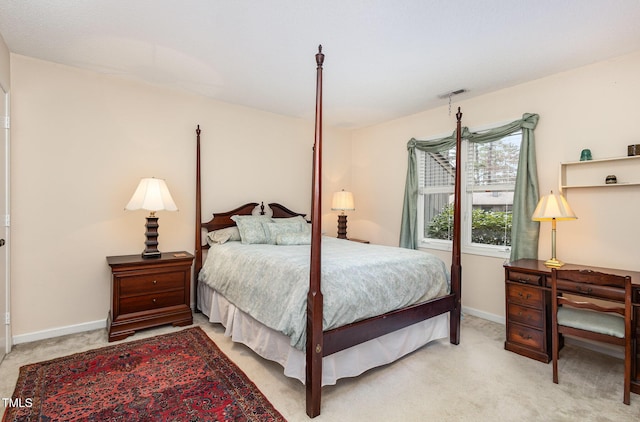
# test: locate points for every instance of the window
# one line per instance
(489, 175)
(436, 178)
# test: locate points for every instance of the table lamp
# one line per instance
(553, 207)
(152, 195)
(342, 201)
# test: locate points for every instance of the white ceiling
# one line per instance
(384, 58)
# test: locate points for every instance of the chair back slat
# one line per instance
(591, 306)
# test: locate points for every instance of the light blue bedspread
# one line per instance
(271, 282)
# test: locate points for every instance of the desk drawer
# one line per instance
(524, 295)
(524, 278)
(527, 316)
(526, 336)
(151, 283)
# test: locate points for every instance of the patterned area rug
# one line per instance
(181, 376)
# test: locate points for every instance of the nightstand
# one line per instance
(149, 292)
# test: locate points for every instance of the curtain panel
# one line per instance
(524, 238)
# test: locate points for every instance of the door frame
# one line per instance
(5, 221)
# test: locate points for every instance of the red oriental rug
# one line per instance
(182, 376)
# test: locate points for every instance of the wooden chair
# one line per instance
(590, 320)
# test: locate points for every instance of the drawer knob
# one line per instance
(154, 300)
(525, 336)
(155, 281)
(527, 296)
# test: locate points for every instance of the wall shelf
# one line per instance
(592, 173)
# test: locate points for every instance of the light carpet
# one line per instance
(475, 381)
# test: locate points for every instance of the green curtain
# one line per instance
(524, 243)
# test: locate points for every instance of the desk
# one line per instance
(528, 310)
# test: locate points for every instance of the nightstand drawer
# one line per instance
(151, 283)
(153, 301)
(526, 336)
(524, 295)
(524, 315)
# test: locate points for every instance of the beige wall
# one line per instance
(592, 107)
(82, 141)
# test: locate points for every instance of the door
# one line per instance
(5, 328)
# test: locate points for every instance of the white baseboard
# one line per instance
(484, 315)
(59, 331)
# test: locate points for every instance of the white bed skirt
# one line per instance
(275, 346)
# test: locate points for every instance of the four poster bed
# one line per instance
(338, 331)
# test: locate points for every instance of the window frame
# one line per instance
(466, 245)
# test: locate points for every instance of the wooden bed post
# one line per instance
(198, 246)
(456, 267)
(313, 371)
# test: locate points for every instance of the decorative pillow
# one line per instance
(251, 229)
(297, 218)
(273, 230)
(223, 235)
(304, 224)
(297, 238)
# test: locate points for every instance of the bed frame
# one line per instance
(323, 343)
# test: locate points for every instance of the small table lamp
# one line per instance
(153, 195)
(553, 207)
(342, 201)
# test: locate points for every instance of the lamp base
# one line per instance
(152, 254)
(151, 250)
(553, 263)
(342, 226)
